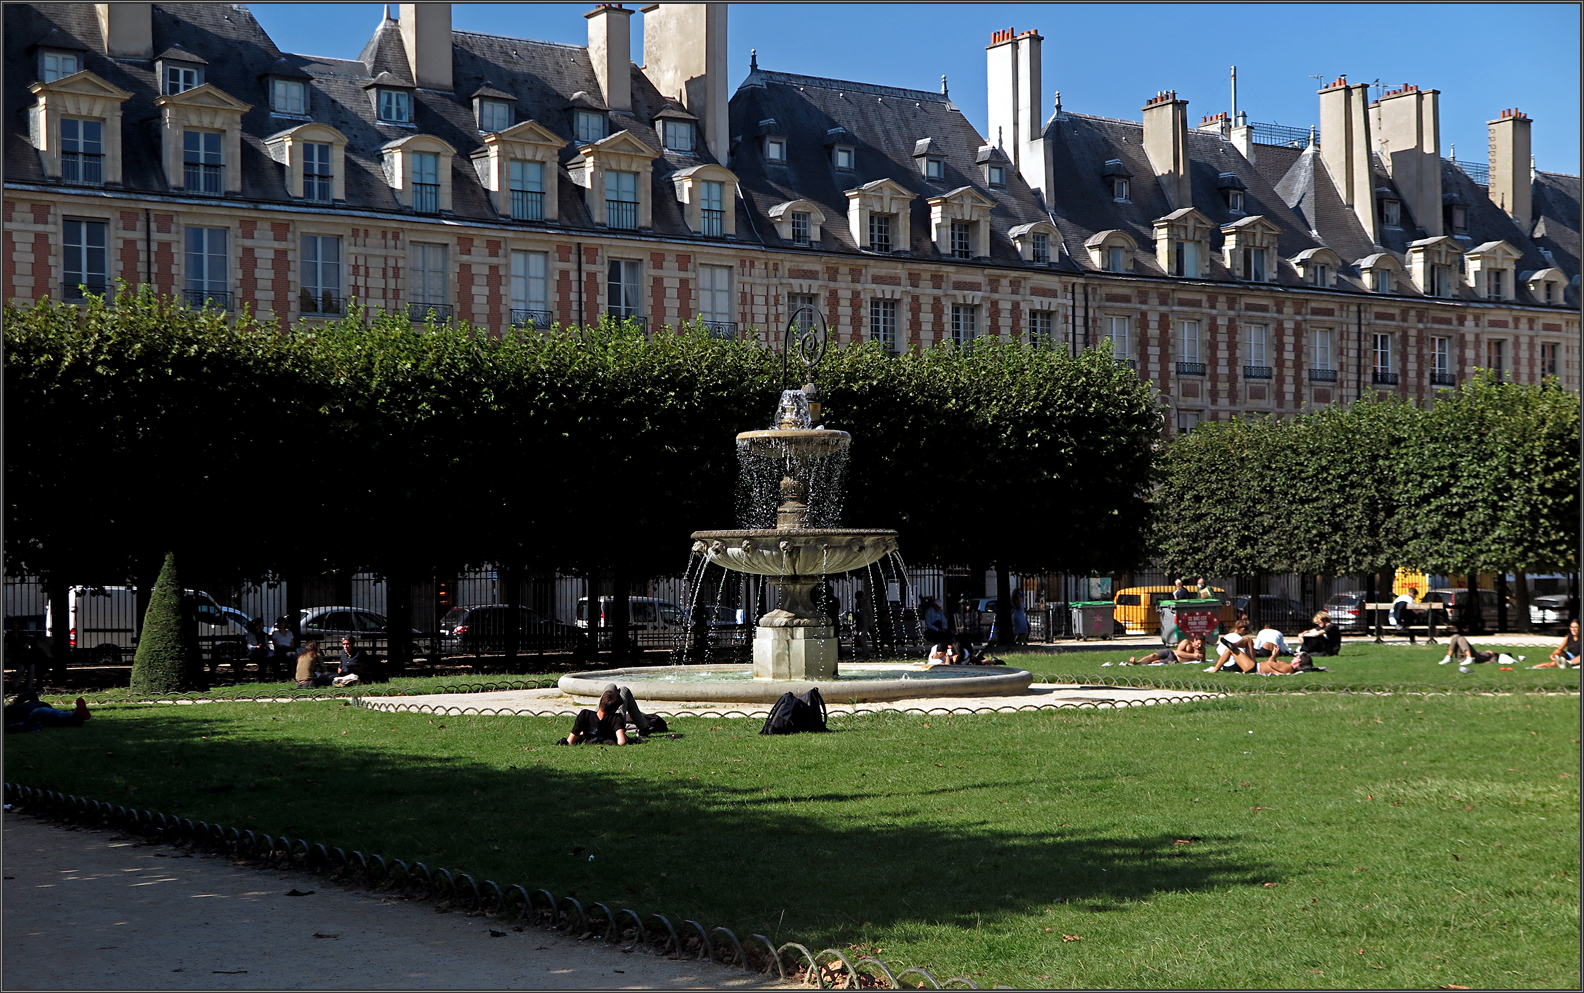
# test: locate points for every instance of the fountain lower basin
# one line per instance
(862, 681)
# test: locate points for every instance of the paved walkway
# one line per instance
(87, 909)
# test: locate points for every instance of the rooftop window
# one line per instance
(288, 96)
(677, 135)
(395, 106)
(842, 157)
(55, 65)
(590, 126)
(494, 115)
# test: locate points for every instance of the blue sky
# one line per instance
(1107, 59)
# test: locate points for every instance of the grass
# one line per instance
(1256, 841)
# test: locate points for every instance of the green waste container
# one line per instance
(1181, 618)
(1092, 618)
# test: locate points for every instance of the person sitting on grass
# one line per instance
(310, 670)
(28, 713)
(1189, 649)
(1325, 638)
(1237, 655)
(603, 726)
(1271, 642)
(1566, 655)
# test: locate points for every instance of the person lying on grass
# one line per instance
(604, 726)
(1190, 649)
(1463, 652)
(28, 713)
(1566, 655)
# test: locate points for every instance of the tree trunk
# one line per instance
(512, 577)
(398, 621)
(621, 623)
(1501, 601)
(1521, 596)
(1469, 612)
(1003, 621)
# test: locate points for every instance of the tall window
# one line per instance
(1121, 339)
(395, 106)
(321, 275)
(1189, 361)
(802, 233)
(180, 79)
(1116, 259)
(1496, 358)
(880, 232)
(996, 175)
(1548, 358)
(317, 181)
(288, 96)
(590, 126)
(621, 200)
(494, 115)
(1187, 420)
(1383, 372)
(961, 240)
(798, 305)
(1441, 362)
(425, 182)
(624, 287)
(883, 323)
(1391, 213)
(1187, 258)
(1042, 329)
(427, 278)
(1039, 247)
(529, 289)
(84, 266)
(1256, 357)
(82, 151)
(715, 303)
(58, 64)
(1320, 275)
(203, 169)
(712, 209)
(678, 136)
(1119, 189)
(1254, 264)
(1494, 283)
(208, 281)
(1441, 280)
(527, 190)
(1381, 281)
(964, 323)
(1322, 368)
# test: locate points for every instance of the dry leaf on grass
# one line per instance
(1072, 937)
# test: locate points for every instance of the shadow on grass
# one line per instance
(669, 831)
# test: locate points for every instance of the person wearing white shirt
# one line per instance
(1270, 640)
(1400, 612)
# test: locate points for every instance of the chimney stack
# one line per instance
(1408, 124)
(1166, 144)
(610, 50)
(1510, 166)
(1243, 135)
(1012, 69)
(127, 29)
(685, 56)
(1346, 148)
(426, 34)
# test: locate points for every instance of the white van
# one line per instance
(654, 623)
(104, 623)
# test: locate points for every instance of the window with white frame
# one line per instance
(318, 183)
(801, 232)
(1320, 274)
(621, 200)
(427, 279)
(1187, 420)
(1042, 329)
(1441, 280)
(712, 209)
(288, 96)
(494, 115)
(1320, 350)
(843, 157)
(1548, 358)
(1187, 258)
(997, 174)
(961, 240)
(798, 306)
(320, 290)
(203, 168)
(677, 135)
(1495, 283)
(1235, 200)
(935, 168)
(180, 79)
(1381, 280)
(1440, 361)
(395, 106)
(964, 322)
(207, 275)
(425, 182)
(82, 151)
(715, 299)
(1039, 247)
(1189, 360)
(1116, 259)
(1120, 330)
(1496, 358)
(1119, 190)
(624, 288)
(530, 289)
(1254, 265)
(55, 65)
(880, 226)
(1256, 353)
(1391, 213)
(1383, 372)
(85, 261)
(775, 149)
(883, 323)
(526, 181)
(590, 126)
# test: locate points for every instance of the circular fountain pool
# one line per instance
(854, 681)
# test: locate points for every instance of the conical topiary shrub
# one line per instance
(168, 659)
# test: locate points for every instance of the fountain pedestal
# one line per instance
(787, 646)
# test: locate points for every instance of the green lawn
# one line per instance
(1260, 840)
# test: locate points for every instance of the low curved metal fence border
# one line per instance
(318, 694)
(516, 901)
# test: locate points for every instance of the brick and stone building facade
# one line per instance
(499, 181)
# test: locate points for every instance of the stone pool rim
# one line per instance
(990, 680)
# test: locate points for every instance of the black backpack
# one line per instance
(792, 714)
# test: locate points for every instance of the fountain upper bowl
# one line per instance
(789, 552)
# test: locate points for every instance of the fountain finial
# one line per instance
(812, 391)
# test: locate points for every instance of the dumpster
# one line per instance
(1182, 618)
(1092, 618)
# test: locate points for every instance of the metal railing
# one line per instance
(1190, 368)
(80, 290)
(1479, 172)
(1383, 378)
(426, 198)
(621, 214)
(1282, 134)
(82, 167)
(323, 302)
(421, 311)
(712, 223)
(1442, 379)
(198, 178)
(317, 188)
(527, 205)
(1257, 372)
(207, 299)
(1322, 375)
(721, 329)
(538, 318)
(640, 321)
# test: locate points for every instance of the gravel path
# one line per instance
(88, 910)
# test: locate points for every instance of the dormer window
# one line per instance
(775, 149)
(997, 175)
(842, 157)
(181, 78)
(1119, 190)
(203, 163)
(1235, 201)
(1320, 274)
(962, 240)
(54, 65)
(801, 233)
(1380, 281)
(425, 182)
(1317, 266)
(288, 96)
(1391, 213)
(1039, 248)
(797, 221)
(1231, 188)
(1441, 281)
(318, 174)
(1116, 176)
(395, 106)
(678, 136)
(590, 126)
(934, 168)
(1254, 265)
(1116, 259)
(1459, 219)
(494, 115)
(1494, 284)
(82, 151)
(527, 190)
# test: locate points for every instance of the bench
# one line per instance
(1383, 611)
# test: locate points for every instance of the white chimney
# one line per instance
(1347, 149)
(1511, 166)
(685, 56)
(1166, 144)
(127, 29)
(610, 50)
(426, 34)
(1013, 77)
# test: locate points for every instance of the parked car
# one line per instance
(653, 623)
(104, 621)
(1135, 608)
(480, 629)
(328, 625)
(1347, 611)
(1286, 616)
(1454, 599)
(1549, 611)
